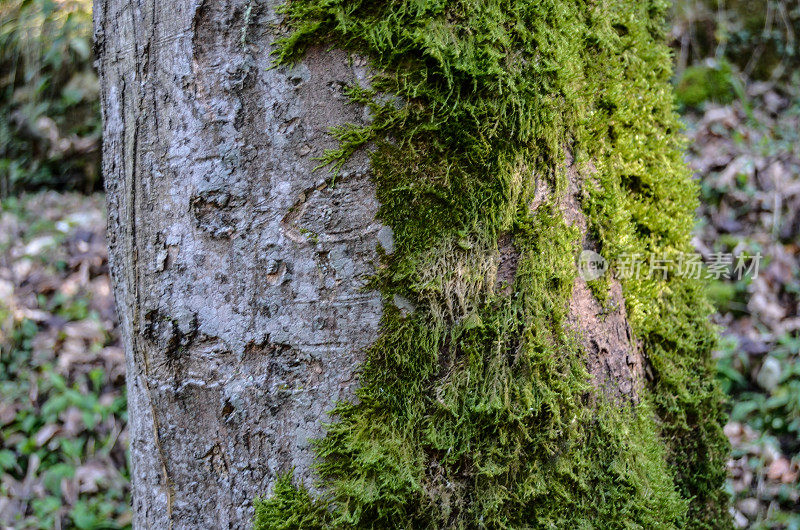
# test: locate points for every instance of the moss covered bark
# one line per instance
(476, 409)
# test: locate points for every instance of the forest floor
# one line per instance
(62, 372)
(63, 419)
(747, 158)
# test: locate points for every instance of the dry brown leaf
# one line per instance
(44, 434)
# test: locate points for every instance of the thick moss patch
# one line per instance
(475, 409)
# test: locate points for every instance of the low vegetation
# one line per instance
(62, 417)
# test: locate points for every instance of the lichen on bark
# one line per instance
(475, 406)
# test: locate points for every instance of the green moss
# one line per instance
(701, 83)
(476, 409)
(289, 507)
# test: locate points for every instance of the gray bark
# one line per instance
(239, 271)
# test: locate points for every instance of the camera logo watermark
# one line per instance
(719, 265)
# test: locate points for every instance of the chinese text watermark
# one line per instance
(717, 266)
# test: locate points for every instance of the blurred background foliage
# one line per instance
(63, 433)
(758, 37)
(49, 111)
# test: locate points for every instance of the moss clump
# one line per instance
(701, 83)
(289, 507)
(475, 410)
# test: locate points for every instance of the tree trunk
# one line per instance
(238, 270)
(242, 280)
